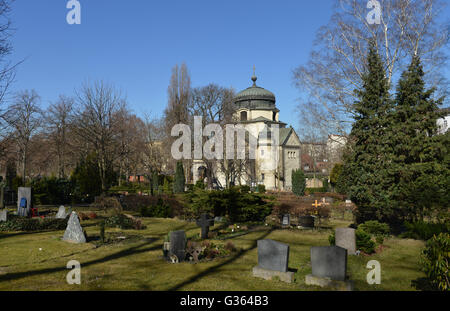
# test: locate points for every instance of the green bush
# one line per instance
(434, 261)
(298, 182)
(199, 185)
(364, 241)
(261, 189)
(160, 210)
(245, 188)
(376, 228)
(119, 221)
(237, 205)
(421, 230)
(325, 184)
(15, 223)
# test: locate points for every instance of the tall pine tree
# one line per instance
(420, 172)
(366, 162)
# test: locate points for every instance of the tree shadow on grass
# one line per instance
(127, 252)
(123, 253)
(226, 262)
(423, 284)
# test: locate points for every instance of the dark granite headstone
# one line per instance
(178, 244)
(329, 262)
(306, 221)
(74, 232)
(3, 215)
(273, 255)
(205, 222)
(23, 201)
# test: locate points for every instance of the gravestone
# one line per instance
(329, 268)
(205, 222)
(23, 201)
(178, 245)
(74, 232)
(286, 220)
(62, 213)
(329, 262)
(273, 259)
(3, 215)
(345, 238)
(306, 221)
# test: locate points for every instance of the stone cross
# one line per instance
(205, 222)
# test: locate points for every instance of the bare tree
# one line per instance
(59, 117)
(338, 59)
(176, 112)
(97, 122)
(7, 73)
(130, 143)
(153, 158)
(215, 105)
(24, 116)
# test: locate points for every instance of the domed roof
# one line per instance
(255, 97)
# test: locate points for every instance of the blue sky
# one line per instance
(135, 43)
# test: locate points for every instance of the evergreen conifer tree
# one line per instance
(179, 182)
(366, 163)
(420, 162)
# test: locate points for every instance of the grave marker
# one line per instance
(205, 222)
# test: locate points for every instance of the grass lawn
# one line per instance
(37, 261)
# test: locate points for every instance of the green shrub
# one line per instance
(325, 184)
(421, 230)
(119, 221)
(245, 188)
(298, 182)
(160, 210)
(200, 184)
(32, 224)
(261, 189)
(364, 241)
(332, 238)
(376, 228)
(237, 205)
(434, 261)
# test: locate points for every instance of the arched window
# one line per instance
(243, 115)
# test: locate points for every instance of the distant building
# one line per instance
(335, 148)
(443, 123)
(255, 110)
